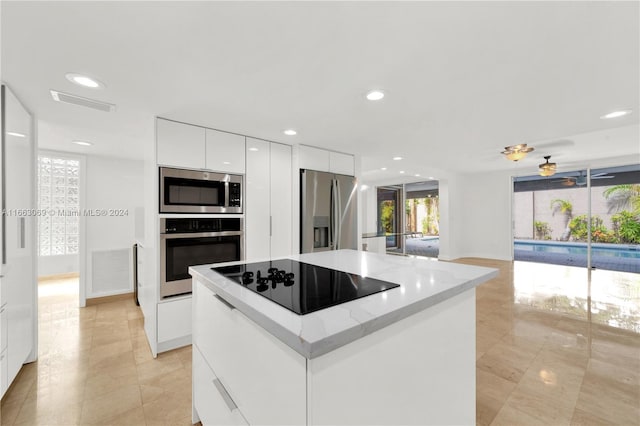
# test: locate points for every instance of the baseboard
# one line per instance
(108, 299)
(176, 343)
(54, 277)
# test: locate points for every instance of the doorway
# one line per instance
(389, 200)
(422, 206)
(59, 183)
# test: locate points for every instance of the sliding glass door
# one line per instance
(390, 216)
(586, 218)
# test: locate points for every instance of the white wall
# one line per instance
(55, 265)
(111, 184)
(483, 218)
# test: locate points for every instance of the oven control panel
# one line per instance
(184, 225)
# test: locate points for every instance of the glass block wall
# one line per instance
(58, 205)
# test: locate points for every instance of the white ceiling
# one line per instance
(462, 80)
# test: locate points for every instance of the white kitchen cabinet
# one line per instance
(225, 152)
(174, 323)
(4, 327)
(180, 145)
(261, 374)
(268, 200)
(342, 164)
(257, 200)
(18, 277)
(213, 404)
(387, 377)
(313, 158)
(325, 161)
(281, 200)
(4, 380)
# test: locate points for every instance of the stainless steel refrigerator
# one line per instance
(328, 211)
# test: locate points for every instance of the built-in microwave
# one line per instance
(196, 191)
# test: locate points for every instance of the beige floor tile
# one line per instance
(114, 403)
(134, 416)
(582, 418)
(506, 361)
(509, 416)
(9, 411)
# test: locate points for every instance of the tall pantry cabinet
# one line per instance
(268, 200)
(17, 240)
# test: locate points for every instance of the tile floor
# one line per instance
(555, 346)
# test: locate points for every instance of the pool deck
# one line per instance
(611, 263)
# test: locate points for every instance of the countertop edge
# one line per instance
(318, 348)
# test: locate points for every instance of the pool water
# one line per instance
(620, 251)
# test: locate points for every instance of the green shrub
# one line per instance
(626, 227)
(599, 232)
(543, 230)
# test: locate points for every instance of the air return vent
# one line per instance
(79, 100)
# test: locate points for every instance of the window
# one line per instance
(59, 205)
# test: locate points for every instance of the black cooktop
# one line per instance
(302, 287)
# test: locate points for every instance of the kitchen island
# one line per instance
(401, 356)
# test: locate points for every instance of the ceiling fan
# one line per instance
(581, 178)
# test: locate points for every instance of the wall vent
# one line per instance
(110, 272)
(79, 100)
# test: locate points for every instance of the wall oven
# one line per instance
(186, 242)
(197, 191)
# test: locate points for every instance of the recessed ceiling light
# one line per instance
(383, 168)
(375, 95)
(401, 172)
(254, 149)
(616, 114)
(397, 158)
(19, 135)
(431, 177)
(82, 143)
(226, 162)
(417, 175)
(83, 80)
(290, 132)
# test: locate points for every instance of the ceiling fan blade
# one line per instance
(598, 174)
(602, 177)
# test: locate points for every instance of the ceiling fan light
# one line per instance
(547, 169)
(516, 152)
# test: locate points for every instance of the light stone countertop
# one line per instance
(423, 283)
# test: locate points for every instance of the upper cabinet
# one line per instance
(325, 161)
(225, 151)
(313, 158)
(180, 145)
(195, 147)
(268, 200)
(342, 164)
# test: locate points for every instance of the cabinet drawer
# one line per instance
(261, 374)
(4, 326)
(174, 319)
(4, 372)
(210, 400)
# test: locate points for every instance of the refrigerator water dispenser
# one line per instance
(320, 231)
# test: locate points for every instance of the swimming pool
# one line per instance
(580, 249)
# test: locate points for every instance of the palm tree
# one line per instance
(566, 208)
(622, 197)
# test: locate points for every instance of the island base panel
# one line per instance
(420, 370)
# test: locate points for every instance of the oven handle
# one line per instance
(201, 234)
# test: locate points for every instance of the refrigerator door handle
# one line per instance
(338, 214)
(335, 215)
(331, 213)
